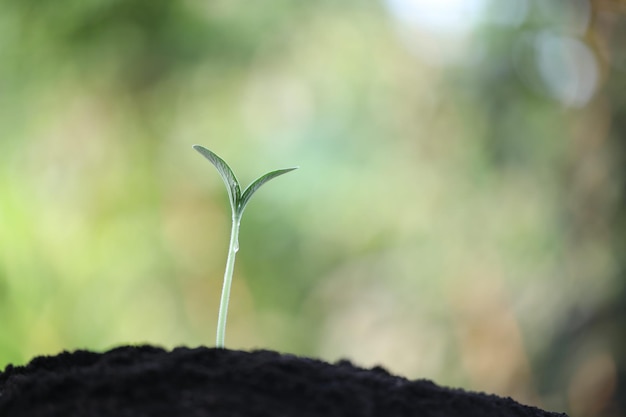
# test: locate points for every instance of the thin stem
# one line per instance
(228, 278)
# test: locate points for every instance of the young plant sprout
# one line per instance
(238, 202)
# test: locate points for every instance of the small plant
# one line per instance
(238, 202)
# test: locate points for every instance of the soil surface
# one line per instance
(148, 381)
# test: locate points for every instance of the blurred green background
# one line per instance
(458, 214)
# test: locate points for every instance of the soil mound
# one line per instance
(201, 382)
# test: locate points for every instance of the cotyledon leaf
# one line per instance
(234, 190)
(256, 184)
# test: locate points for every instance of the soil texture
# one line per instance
(146, 381)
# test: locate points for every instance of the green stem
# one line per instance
(228, 278)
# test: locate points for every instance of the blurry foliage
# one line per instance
(459, 214)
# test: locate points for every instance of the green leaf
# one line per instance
(256, 184)
(232, 185)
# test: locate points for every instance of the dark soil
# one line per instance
(149, 381)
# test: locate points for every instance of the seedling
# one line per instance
(238, 202)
